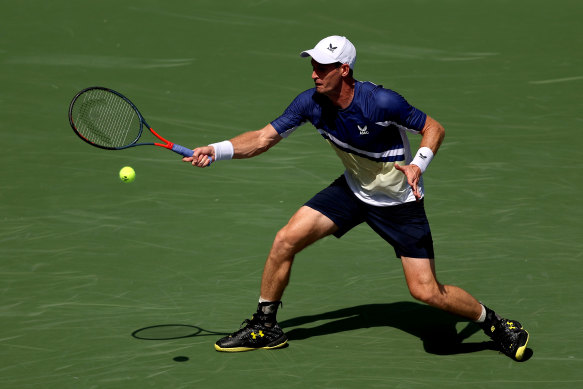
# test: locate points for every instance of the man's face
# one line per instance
(327, 78)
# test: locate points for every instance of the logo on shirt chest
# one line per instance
(362, 130)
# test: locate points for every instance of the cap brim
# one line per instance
(318, 56)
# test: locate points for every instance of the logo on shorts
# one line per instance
(362, 130)
(332, 48)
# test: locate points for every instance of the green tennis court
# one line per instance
(112, 285)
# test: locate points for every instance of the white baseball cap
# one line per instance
(331, 50)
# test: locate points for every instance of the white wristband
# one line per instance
(423, 158)
(223, 150)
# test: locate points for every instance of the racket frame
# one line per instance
(166, 143)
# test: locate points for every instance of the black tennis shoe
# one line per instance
(510, 337)
(253, 335)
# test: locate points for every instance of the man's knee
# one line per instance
(429, 293)
(304, 228)
(289, 239)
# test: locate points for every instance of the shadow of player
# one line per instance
(435, 328)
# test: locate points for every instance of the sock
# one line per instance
(267, 311)
(482, 317)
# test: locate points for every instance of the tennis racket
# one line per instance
(107, 119)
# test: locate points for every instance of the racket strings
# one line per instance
(106, 119)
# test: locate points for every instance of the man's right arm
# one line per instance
(246, 145)
(252, 143)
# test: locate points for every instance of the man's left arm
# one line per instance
(433, 134)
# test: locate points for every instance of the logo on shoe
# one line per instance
(254, 335)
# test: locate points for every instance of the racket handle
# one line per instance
(182, 150)
(186, 151)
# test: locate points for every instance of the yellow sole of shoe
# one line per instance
(520, 352)
(241, 349)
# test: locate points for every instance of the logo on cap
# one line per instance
(332, 48)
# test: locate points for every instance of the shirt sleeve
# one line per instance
(296, 114)
(392, 107)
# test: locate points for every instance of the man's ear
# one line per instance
(344, 70)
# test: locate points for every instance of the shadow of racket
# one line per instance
(172, 331)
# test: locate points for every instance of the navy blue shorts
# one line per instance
(404, 226)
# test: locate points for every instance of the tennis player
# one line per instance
(382, 185)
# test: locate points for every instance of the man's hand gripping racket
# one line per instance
(107, 119)
(200, 156)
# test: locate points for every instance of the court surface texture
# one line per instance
(112, 285)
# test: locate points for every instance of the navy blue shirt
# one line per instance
(369, 136)
(370, 125)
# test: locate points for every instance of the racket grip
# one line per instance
(186, 151)
(182, 150)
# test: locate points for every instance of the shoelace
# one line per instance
(244, 326)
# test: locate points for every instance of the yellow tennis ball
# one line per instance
(127, 174)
